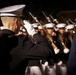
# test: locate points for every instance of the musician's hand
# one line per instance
(56, 50)
(31, 31)
(66, 50)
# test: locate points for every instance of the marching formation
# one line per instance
(60, 38)
(33, 48)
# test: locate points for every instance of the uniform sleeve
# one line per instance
(41, 50)
(71, 66)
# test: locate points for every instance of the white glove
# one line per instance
(56, 50)
(66, 50)
(31, 31)
(60, 62)
(46, 63)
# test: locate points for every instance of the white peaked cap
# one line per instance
(61, 25)
(49, 25)
(35, 25)
(14, 10)
(40, 27)
(70, 26)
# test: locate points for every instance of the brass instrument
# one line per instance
(46, 34)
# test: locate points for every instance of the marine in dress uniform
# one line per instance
(34, 67)
(71, 61)
(48, 64)
(21, 47)
(70, 31)
(62, 45)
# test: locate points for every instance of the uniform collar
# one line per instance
(6, 31)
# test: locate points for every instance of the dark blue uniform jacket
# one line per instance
(18, 49)
(71, 66)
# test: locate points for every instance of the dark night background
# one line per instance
(53, 7)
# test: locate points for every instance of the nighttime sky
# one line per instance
(37, 6)
(42, 4)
